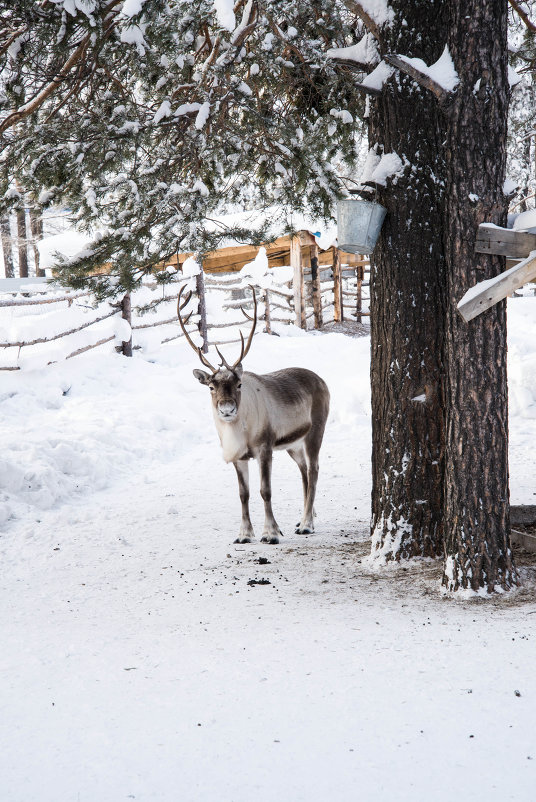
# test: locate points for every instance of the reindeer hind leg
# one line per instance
(313, 441)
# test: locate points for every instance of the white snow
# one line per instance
(67, 243)
(132, 7)
(378, 76)
(202, 116)
(381, 168)
(525, 221)
(137, 661)
(509, 187)
(442, 71)
(225, 14)
(379, 10)
(363, 52)
(513, 77)
(163, 111)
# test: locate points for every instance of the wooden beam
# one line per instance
(504, 241)
(486, 294)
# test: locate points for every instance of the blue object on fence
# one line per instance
(358, 225)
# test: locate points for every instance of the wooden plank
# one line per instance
(486, 294)
(504, 241)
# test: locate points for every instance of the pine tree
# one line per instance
(163, 118)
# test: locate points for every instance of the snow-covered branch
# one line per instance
(364, 16)
(440, 78)
(520, 9)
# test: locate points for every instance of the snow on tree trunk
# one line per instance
(407, 302)
(7, 246)
(22, 244)
(477, 521)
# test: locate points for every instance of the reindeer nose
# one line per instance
(227, 409)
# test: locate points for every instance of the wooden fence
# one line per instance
(41, 323)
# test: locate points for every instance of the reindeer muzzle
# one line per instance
(227, 410)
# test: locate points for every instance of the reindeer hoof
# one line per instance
(243, 540)
(304, 530)
(273, 539)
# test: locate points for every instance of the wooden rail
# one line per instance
(323, 283)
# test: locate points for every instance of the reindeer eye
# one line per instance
(211, 388)
(239, 385)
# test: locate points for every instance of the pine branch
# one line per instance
(418, 76)
(356, 67)
(75, 57)
(367, 20)
(523, 15)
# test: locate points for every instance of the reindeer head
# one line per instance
(224, 382)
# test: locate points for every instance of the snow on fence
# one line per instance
(42, 323)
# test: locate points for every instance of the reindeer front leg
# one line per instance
(246, 534)
(271, 531)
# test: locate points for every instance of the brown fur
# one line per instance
(257, 414)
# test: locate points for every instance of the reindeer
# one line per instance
(256, 415)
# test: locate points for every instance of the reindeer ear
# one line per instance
(201, 376)
(238, 370)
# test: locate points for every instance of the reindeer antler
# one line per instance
(197, 349)
(245, 349)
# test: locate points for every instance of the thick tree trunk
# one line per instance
(126, 314)
(36, 225)
(7, 247)
(407, 302)
(477, 522)
(22, 245)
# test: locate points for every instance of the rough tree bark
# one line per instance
(477, 524)
(36, 226)
(7, 247)
(407, 300)
(22, 244)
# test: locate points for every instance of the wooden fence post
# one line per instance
(298, 282)
(338, 310)
(126, 314)
(360, 275)
(315, 282)
(202, 308)
(267, 321)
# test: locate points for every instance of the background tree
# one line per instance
(521, 163)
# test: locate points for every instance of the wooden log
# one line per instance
(504, 241)
(338, 312)
(298, 283)
(487, 293)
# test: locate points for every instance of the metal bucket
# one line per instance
(358, 225)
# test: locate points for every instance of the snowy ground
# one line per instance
(139, 663)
